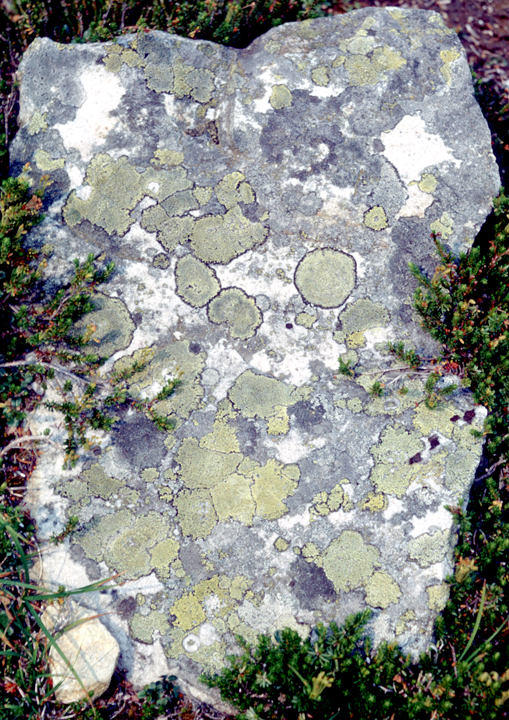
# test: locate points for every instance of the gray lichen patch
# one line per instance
(363, 315)
(349, 561)
(196, 282)
(220, 238)
(237, 310)
(325, 277)
(113, 325)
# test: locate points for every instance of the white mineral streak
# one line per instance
(93, 120)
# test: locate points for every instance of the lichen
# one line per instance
(202, 467)
(428, 183)
(143, 627)
(114, 327)
(170, 231)
(220, 238)
(448, 57)
(349, 562)
(45, 162)
(325, 277)
(273, 483)
(356, 340)
(100, 484)
(38, 123)
(195, 513)
(324, 503)
(279, 424)
(258, 395)
(237, 310)
(196, 283)
(280, 97)
(320, 75)
(363, 70)
(429, 549)
(392, 473)
(443, 226)
(231, 190)
(233, 499)
(375, 218)
(363, 315)
(375, 502)
(381, 590)
(306, 320)
(180, 203)
(162, 555)
(281, 544)
(163, 156)
(438, 595)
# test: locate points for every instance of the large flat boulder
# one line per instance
(261, 206)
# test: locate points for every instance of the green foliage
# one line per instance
(159, 697)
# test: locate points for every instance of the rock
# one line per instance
(89, 647)
(261, 206)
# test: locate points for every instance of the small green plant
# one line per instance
(159, 697)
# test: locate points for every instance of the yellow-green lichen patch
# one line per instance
(428, 421)
(273, 483)
(202, 467)
(258, 395)
(170, 231)
(163, 156)
(188, 611)
(38, 123)
(460, 468)
(438, 595)
(325, 277)
(114, 327)
(320, 75)
(100, 484)
(354, 405)
(324, 503)
(45, 162)
(162, 555)
(402, 624)
(393, 473)
(196, 282)
(281, 544)
(196, 513)
(443, 226)
(223, 438)
(180, 203)
(375, 502)
(168, 361)
(306, 320)
(116, 188)
(349, 562)
(375, 218)
(363, 315)
(311, 553)
(116, 56)
(143, 627)
(428, 183)
(363, 70)
(356, 340)
(161, 183)
(233, 499)
(381, 590)
(232, 189)
(150, 474)
(448, 57)
(190, 81)
(279, 423)
(234, 308)
(203, 194)
(280, 97)
(429, 549)
(220, 238)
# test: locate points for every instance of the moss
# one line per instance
(375, 502)
(280, 97)
(196, 513)
(375, 218)
(306, 320)
(381, 590)
(443, 226)
(162, 555)
(349, 562)
(258, 395)
(202, 467)
(320, 75)
(448, 57)
(100, 484)
(114, 328)
(325, 277)
(428, 183)
(363, 315)
(45, 162)
(38, 123)
(220, 238)
(438, 595)
(196, 283)
(429, 549)
(237, 310)
(143, 627)
(233, 499)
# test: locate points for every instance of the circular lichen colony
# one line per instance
(239, 311)
(114, 327)
(196, 283)
(325, 277)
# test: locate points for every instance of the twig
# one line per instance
(58, 368)
(28, 438)
(491, 470)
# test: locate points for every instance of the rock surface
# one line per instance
(261, 206)
(89, 647)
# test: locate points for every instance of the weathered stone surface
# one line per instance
(261, 206)
(89, 647)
